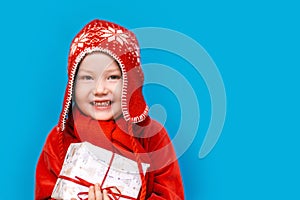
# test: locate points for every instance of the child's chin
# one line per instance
(106, 116)
(102, 118)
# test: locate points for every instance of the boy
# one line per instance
(104, 105)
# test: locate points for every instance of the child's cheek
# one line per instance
(84, 87)
(82, 90)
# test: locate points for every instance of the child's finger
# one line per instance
(105, 195)
(98, 193)
(91, 193)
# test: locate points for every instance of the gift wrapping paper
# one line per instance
(85, 162)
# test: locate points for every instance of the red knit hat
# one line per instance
(122, 45)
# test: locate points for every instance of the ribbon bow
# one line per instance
(80, 181)
(110, 190)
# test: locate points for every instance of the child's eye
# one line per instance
(85, 77)
(114, 77)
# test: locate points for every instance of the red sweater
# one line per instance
(163, 179)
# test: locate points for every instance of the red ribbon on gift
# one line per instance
(115, 195)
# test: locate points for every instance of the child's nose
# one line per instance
(100, 88)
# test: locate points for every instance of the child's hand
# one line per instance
(96, 194)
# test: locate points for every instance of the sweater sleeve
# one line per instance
(165, 172)
(48, 168)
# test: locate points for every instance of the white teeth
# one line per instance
(102, 104)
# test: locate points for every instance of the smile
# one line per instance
(101, 103)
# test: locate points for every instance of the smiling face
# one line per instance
(98, 87)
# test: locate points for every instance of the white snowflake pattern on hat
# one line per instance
(113, 34)
(79, 41)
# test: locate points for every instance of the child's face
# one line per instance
(98, 87)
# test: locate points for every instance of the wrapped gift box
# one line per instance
(87, 164)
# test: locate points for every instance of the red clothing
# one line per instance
(132, 132)
(163, 179)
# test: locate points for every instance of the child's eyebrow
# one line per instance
(113, 70)
(86, 70)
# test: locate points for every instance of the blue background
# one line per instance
(255, 45)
